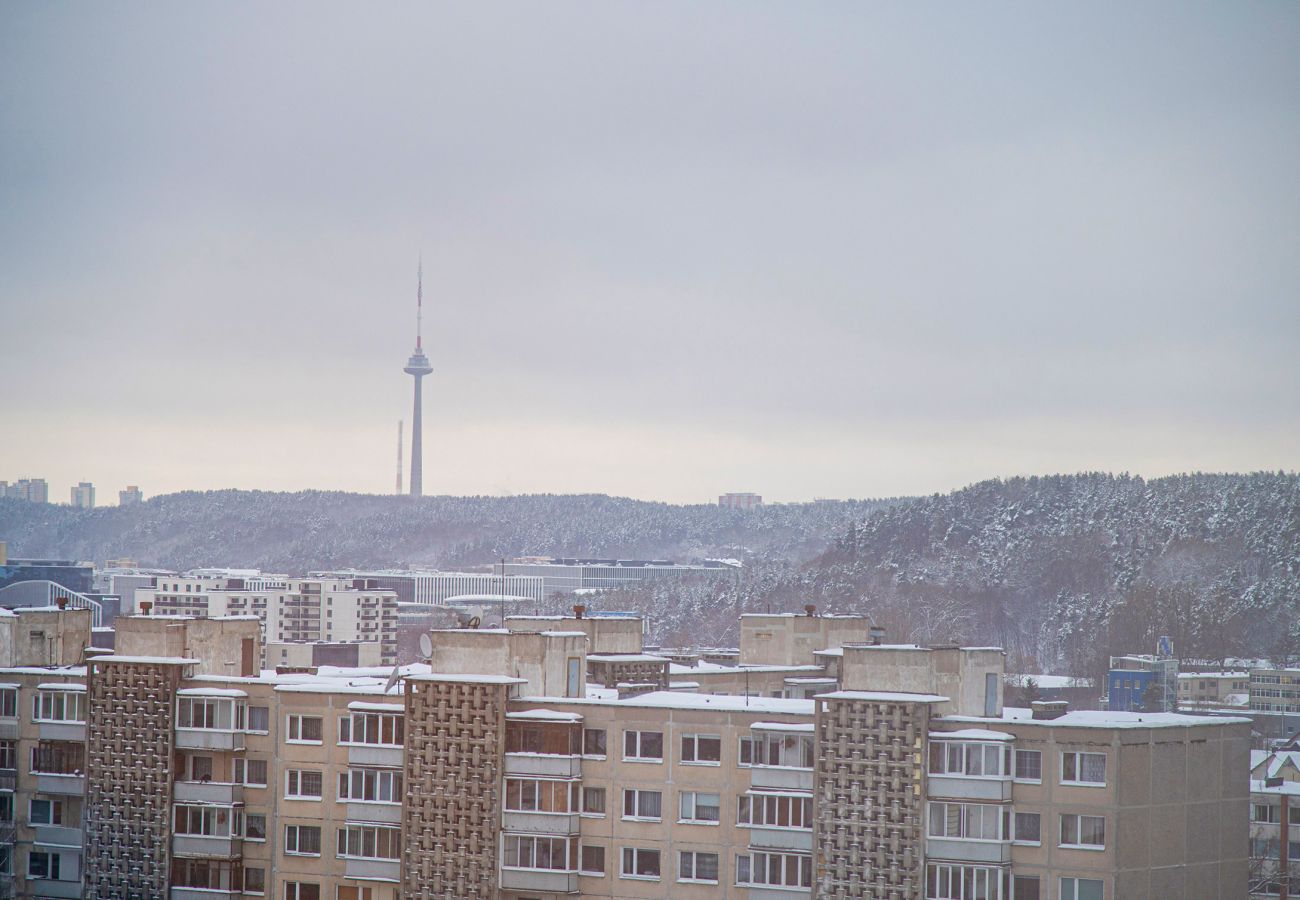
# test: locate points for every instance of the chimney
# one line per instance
(877, 634)
(810, 610)
(61, 602)
(1049, 709)
(579, 610)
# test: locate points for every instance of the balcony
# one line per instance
(373, 869)
(62, 731)
(385, 813)
(53, 887)
(968, 851)
(540, 822)
(780, 778)
(375, 755)
(58, 836)
(961, 787)
(766, 892)
(218, 792)
(8, 779)
(214, 846)
(538, 880)
(63, 785)
(197, 893)
(8, 729)
(208, 739)
(797, 839)
(550, 765)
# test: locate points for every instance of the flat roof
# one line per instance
(883, 696)
(1092, 718)
(680, 700)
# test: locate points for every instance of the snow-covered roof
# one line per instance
(211, 692)
(543, 715)
(782, 726)
(473, 679)
(61, 686)
(363, 706)
(1290, 788)
(625, 657)
(971, 734)
(680, 700)
(70, 671)
(1050, 681)
(1091, 718)
(581, 634)
(158, 660)
(883, 696)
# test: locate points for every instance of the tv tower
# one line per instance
(417, 366)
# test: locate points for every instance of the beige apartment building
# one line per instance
(175, 768)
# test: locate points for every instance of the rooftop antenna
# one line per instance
(399, 456)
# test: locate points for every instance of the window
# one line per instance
(697, 806)
(1028, 828)
(701, 749)
(41, 811)
(6, 807)
(789, 750)
(592, 860)
(207, 874)
(695, 866)
(593, 742)
(6, 859)
(255, 826)
(774, 810)
(43, 865)
(371, 785)
(370, 842)
(775, 869)
(59, 706)
(304, 730)
(254, 880)
(251, 772)
(967, 821)
(1029, 765)
(540, 795)
(302, 840)
(638, 804)
(1262, 812)
(200, 768)
(382, 729)
(1088, 832)
(8, 755)
(8, 703)
(259, 719)
(301, 890)
(967, 759)
(303, 784)
(1081, 889)
(593, 801)
(745, 752)
(638, 862)
(1026, 887)
(524, 851)
(957, 882)
(58, 757)
(1083, 768)
(643, 746)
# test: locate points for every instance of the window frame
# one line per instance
(292, 776)
(694, 742)
(1015, 766)
(694, 855)
(636, 856)
(1079, 767)
(1078, 828)
(293, 722)
(693, 819)
(636, 794)
(640, 746)
(298, 830)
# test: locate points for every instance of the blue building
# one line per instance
(1130, 677)
(1126, 688)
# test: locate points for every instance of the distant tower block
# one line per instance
(417, 367)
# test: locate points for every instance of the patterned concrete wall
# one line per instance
(455, 744)
(129, 780)
(869, 799)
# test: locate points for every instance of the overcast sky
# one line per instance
(670, 250)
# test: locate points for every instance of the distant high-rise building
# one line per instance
(740, 501)
(417, 367)
(83, 495)
(132, 496)
(34, 490)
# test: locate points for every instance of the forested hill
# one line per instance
(298, 532)
(1063, 570)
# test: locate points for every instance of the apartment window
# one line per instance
(381, 729)
(522, 851)
(1087, 832)
(370, 842)
(303, 784)
(539, 795)
(695, 866)
(371, 785)
(745, 752)
(207, 874)
(254, 880)
(956, 882)
(59, 706)
(259, 719)
(774, 810)
(8, 703)
(304, 729)
(639, 862)
(255, 826)
(8, 755)
(43, 865)
(593, 801)
(251, 772)
(1262, 812)
(1026, 887)
(967, 759)
(593, 742)
(1083, 768)
(207, 712)
(774, 869)
(1028, 828)
(1029, 765)
(700, 807)
(41, 811)
(206, 821)
(302, 840)
(6, 859)
(702, 749)
(301, 890)
(643, 746)
(639, 804)
(967, 821)
(592, 860)
(6, 807)
(1082, 889)
(58, 757)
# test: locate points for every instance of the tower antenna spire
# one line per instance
(419, 300)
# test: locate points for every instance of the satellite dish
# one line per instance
(426, 646)
(475, 622)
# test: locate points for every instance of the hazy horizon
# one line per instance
(670, 251)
